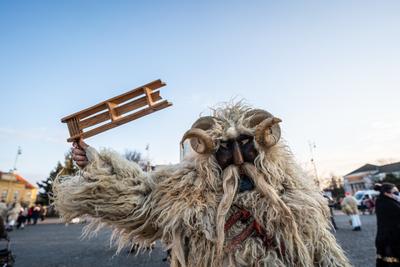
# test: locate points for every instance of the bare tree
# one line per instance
(336, 186)
(133, 155)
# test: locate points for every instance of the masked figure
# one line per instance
(239, 200)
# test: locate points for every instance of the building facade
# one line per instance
(13, 187)
(364, 177)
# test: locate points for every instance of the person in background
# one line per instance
(12, 215)
(369, 204)
(396, 196)
(29, 216)
(387, 241)
(3, 232)
(35, 214)
(22, 218)
(349, 206)
(43, 212)
(3, 211)
(362, 208)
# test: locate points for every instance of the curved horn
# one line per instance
(200, 140)
(267, 132)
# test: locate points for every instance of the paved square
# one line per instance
(57, 245)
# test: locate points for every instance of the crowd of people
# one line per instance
(16, 215)
(352, 208)
(386, 206)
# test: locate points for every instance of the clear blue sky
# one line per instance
(329, 69)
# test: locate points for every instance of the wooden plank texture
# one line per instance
(99, 118)
(135, 104)
(123, 120)
(148, 96)
(118, 99)
(111, 110)
(116, 111)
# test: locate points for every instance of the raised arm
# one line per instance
(110, 189)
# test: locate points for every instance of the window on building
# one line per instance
(4, 194)
(16, 195)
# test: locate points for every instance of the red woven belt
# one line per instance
(254, 226)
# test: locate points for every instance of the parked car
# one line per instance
(359, 196)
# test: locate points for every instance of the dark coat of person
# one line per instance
(388, 235)
(3, 233)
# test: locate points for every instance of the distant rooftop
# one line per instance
(18, 178)
(392, 167)
(387, 168)
(364, 168)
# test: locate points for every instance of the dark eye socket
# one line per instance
(244, 139)
(224, 144)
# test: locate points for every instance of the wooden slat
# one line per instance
(119, 110)
(70, 129)
(99, 118)
(136, 92)
(149, 99)
(86, 112)
(75, 126)
(135, 104)
(111, 110)
(118, 100)
(123, 120)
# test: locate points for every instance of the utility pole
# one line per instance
(19, 152)
(148, 165)
(312, 147)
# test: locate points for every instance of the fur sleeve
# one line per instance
(110, 189)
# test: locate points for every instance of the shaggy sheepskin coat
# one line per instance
(187, 205)
(349, 205)
(13, 212)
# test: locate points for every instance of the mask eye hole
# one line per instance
(224, 145)
(244, 141)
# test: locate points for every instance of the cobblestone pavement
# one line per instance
(56, 245)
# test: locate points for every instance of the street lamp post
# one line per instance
(19, 152)
(148, 165)
(312, 146)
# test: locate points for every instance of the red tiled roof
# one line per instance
(24, 181)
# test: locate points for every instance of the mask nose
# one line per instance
(237, 154)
